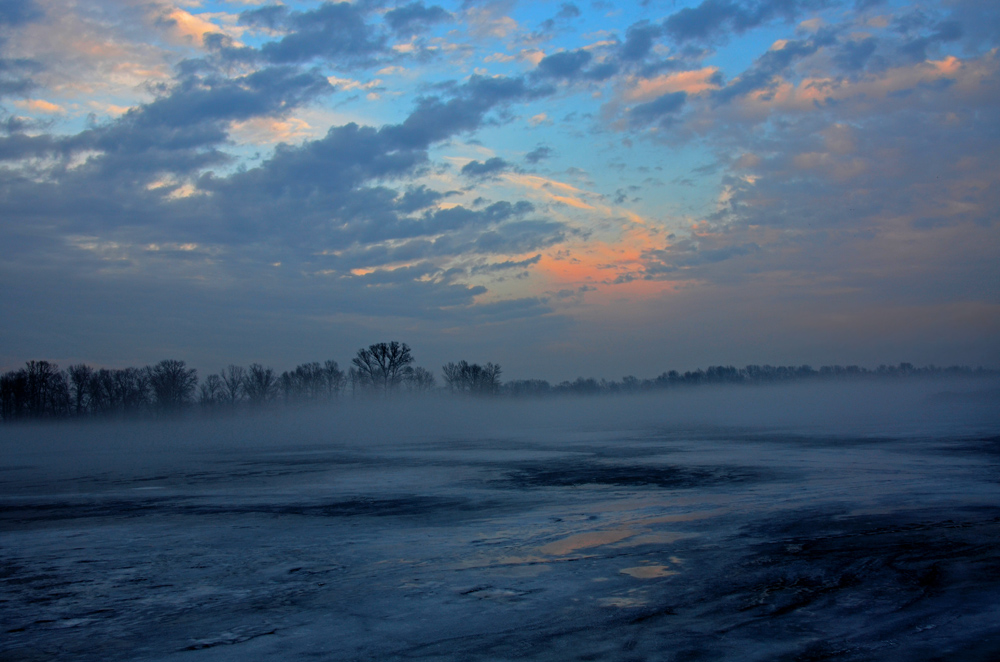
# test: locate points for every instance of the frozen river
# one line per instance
(821, 522)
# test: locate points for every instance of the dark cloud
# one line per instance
(18, 146)
(19, 12)
(506, 265)
(916, 49)
(331, 193)
(271, 17)
(854, 55)
(602, 71)
(713, 19)
(639, 40)
(540, 153)
(436, 118)
(179, 131)
(685, 255)
(16, 75)
(333, 31)
(657, 109)
(521, 237)
(568, 64)
(489, 167)
(568, 10)
(227, 51)
(571, 65)
(417, 198)
(199, 99)
(414, 18)
(771, 64)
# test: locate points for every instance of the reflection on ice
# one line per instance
(648, 571)
(585, 541)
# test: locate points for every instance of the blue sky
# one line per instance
(566, 188)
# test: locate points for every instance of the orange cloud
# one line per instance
(968, 76)
(40, 106)
(190, 26)
(692, 82)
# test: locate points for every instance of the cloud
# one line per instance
(40, 106)
(567, 64)
(916, 49)
(571, 65)
(414, 18)
(540, 153)
(774, 62)
(506, 265)
(713, 19)
(16, 76)
(436, 118)
(639, 40)
(657, 110)
(19, 12)
(854, 55)
(333, 31)
(568, 10)
(417, 198)
(692, 82)
(489, 167)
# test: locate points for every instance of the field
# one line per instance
(815, 522)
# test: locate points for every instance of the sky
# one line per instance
(564, 188)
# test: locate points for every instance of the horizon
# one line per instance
(564, 189)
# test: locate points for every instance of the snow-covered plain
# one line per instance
(825, 521)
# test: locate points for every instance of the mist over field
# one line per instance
(818, 520)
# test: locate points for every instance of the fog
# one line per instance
(847, 520)
(931, 407)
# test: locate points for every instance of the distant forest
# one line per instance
(40, 390)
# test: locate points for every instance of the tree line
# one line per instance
(42, 390)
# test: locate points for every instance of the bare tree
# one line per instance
(14, 394)
(47, 392)
(472, 378)
(131, 389)
(420, 379)
(212, 391)
(79, 378)
(260, 384)
(358, 380)
(310, 380)
(233, 379)
(383, 364)
(101, 392)
(173, 384)
(334, 378)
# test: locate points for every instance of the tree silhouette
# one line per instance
(14, 394)
(334, 378)
(233, 380)
(420, 379)
(212, 391)
(382, 365)
(79, 378)
(472, 378)
(260, 384)
(173, 384)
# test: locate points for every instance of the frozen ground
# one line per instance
(811, 523)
